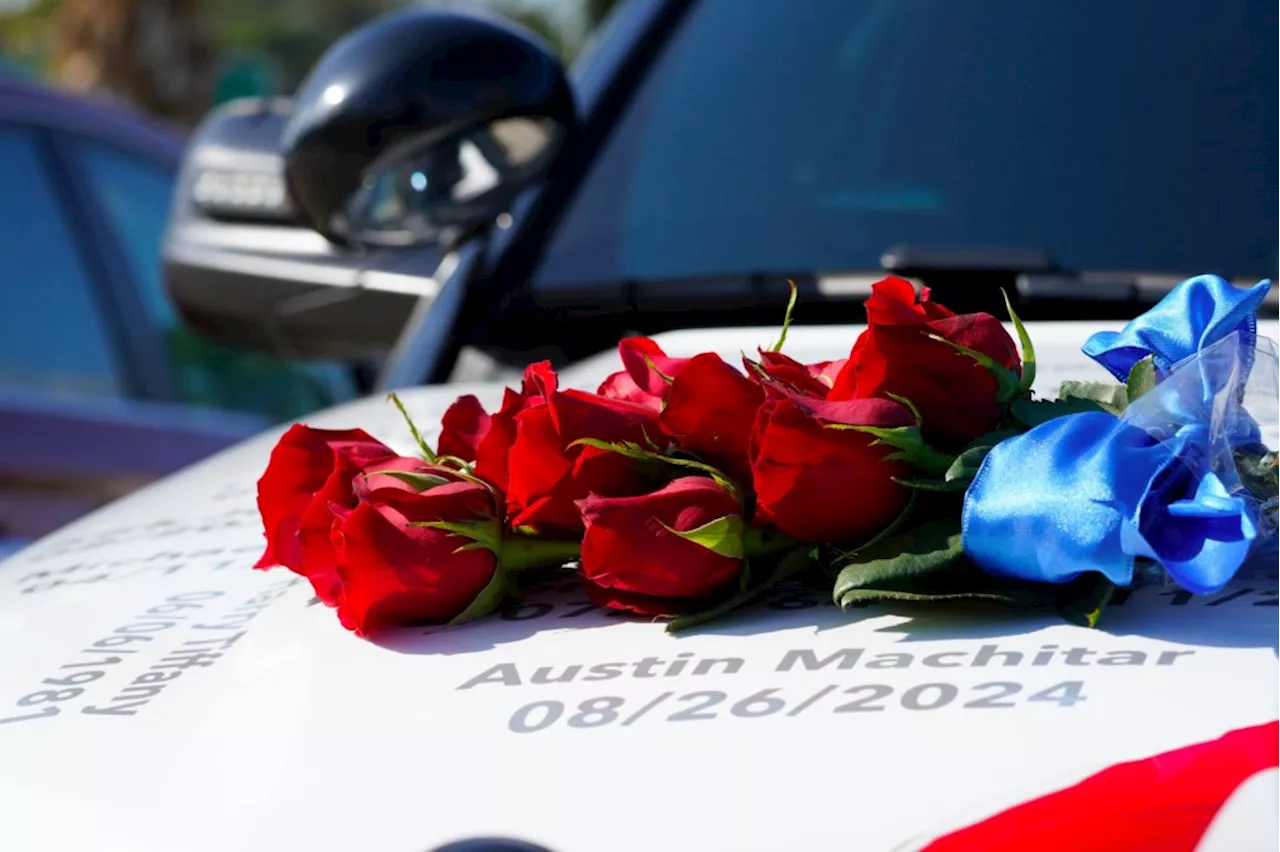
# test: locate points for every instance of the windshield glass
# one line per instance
(780, 137)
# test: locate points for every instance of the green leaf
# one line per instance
(1028, 350)
(486, 534)
(1008, 384)
(1033, 412)
(1142, 378)
(786, 318)
(936, 575)
(419, 481)
(966, 465)
(413, 430)
(1019, 598)
(787, 567)
(1109, 395)
(928, 548)
(490, 599)
(1083, 599)
(723, 536)
(909, 443)
(994, 437)
(928, 564)
(1258, 473)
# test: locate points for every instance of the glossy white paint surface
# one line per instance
(297, 735)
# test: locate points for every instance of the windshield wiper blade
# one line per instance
(1142, 287)
(907, 258)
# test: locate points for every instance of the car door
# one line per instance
(56, 347)
(82, 416)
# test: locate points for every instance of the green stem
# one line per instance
(519, 553)
(786, 318)
(425, 449)
(933, 461)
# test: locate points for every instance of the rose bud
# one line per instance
(710, 412)
(406, 557)
(308, 465)
(658, 552)
(340, 493)
(816, 481)
(647, 372)
(299, 538)
(493, 445)
(547, 471)
(958, 398)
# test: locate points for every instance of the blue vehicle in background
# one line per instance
(102, 388)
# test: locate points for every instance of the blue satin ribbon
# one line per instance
(1195, 314)
(1093, 492)
(1089, 492)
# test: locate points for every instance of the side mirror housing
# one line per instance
(420, 121)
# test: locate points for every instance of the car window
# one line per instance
(53, 335)
(135, 195)
(814, 136)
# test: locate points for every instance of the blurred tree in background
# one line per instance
(293, 33)
(176, 58)
(158, 54)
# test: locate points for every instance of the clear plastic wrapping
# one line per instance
(1221, 408)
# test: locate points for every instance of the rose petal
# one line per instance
(710, 413)
(462, 428)
(300, 465)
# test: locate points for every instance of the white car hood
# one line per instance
(291, 733)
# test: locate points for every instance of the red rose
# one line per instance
(347, 484)
(645, 376)
(709, 412)
(309, 466)
(816, 483)
(956, 396)
(493, 441)
(546, 473)
(813, 380)
(495, 444)
(463, 427)
(634, 558)
(393, 572)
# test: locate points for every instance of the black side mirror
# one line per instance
(420, 121)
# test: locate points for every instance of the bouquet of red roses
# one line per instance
(686, 487)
